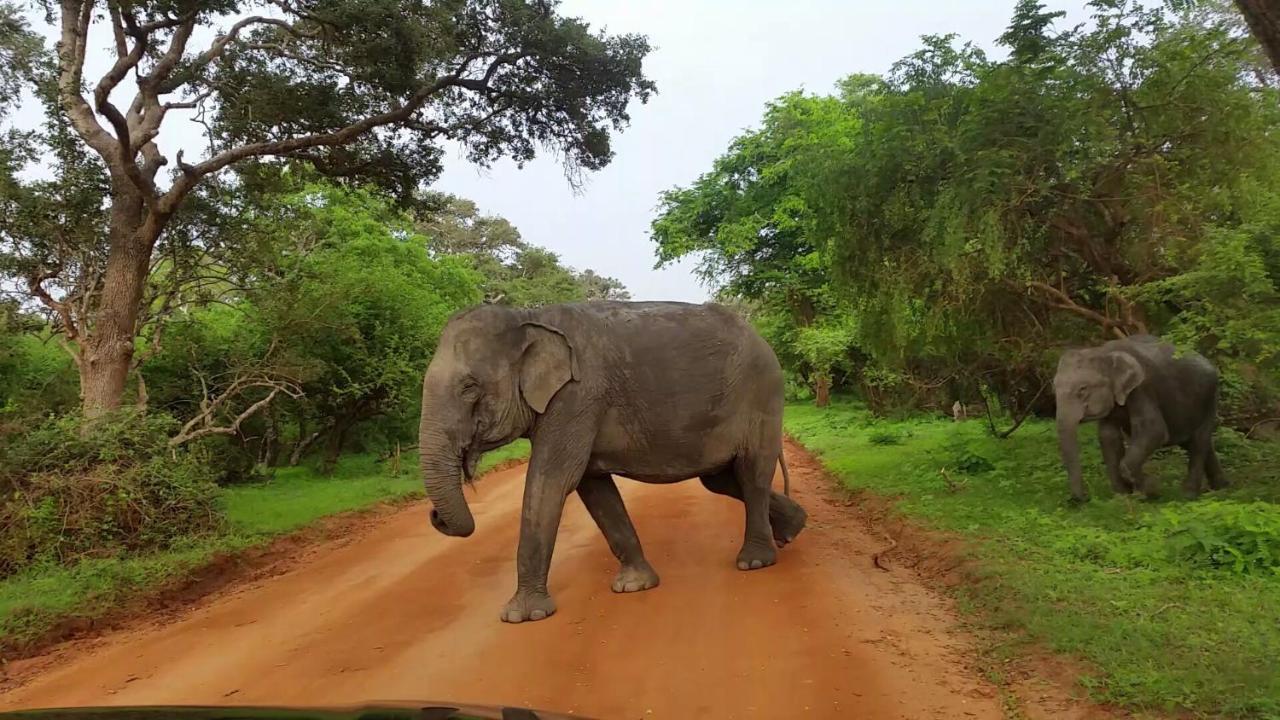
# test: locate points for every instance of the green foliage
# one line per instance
(511, 271)
(980, 214)
(36, 376)
(68, 494)
(40, 596)
(363, 92)
(884, 437)
(963, 458)
(1237, 537)
(1171, 604)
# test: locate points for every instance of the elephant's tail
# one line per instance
(786, 476)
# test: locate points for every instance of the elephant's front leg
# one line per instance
(555, 468)
(600, 495)
(1111, 438)
(1148, 433)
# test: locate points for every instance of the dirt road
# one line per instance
(404, 613)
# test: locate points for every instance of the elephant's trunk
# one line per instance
(1069, 445)
(442, 462)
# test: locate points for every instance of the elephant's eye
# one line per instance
(470, 389)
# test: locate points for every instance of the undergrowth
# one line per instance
(46, 592)
(1173, 604)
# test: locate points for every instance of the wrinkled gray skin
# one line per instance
(1143, 398)
(656, 392)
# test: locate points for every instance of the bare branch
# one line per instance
(188, 104)
(117, 31)
(1062, 301)
(167, 62)
(74, 352)
(76, 15)
(35, 284)
(219, 45)
(124, 62)
(202, 424)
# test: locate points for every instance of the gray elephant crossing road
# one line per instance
(655, 392)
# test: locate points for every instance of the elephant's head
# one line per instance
(1089, 384)
(494, 371)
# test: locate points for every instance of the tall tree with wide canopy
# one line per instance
(361, 89)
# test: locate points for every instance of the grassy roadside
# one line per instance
(1172, 604)
(34, 602)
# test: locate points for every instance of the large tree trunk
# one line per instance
(107, 347)
(822, 393)
(1263, 17)
(333, 448)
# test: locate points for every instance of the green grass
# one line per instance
(1153, 595)
(36, 600)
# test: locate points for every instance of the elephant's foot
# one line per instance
(528, 606)
(787, 519)
(635, 578)
(754, 556)
(1121, 486)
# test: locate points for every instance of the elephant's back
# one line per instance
(673, 349)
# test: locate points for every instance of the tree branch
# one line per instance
(193, 429)
(1062, 301)
(76, 15)
(165, 65)
(219, 45)
(192, 173)
(35, 284)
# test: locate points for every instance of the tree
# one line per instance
(362, 90)
(339, 326)
(977, 215)
(1263, 17)
(752, 222)
(601, 287)
(512, 271)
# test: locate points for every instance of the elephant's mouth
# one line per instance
(470, 461)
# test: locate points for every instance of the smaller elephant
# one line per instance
(1143, 398)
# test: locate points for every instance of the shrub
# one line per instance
(69, 494)
(884, 437)
(1243, 538)
(963, 459)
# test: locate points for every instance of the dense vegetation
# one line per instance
(941, 232)
(1171, 604)
(363, 91)
(44, 596)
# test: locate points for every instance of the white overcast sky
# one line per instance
(716, 64)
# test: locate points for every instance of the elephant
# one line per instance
(1143, 397)
(658, 392)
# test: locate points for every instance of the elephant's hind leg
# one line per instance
(786, 517)
(600, 494)
(1213, 469)
(753, 478)
(1202, 445)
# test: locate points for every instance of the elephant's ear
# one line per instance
(547, 364)
(1126, 375)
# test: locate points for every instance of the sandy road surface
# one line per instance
(407, 614)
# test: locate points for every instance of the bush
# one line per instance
(884, 437)
(68, 494)
(962, 458)
(1243, 538)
